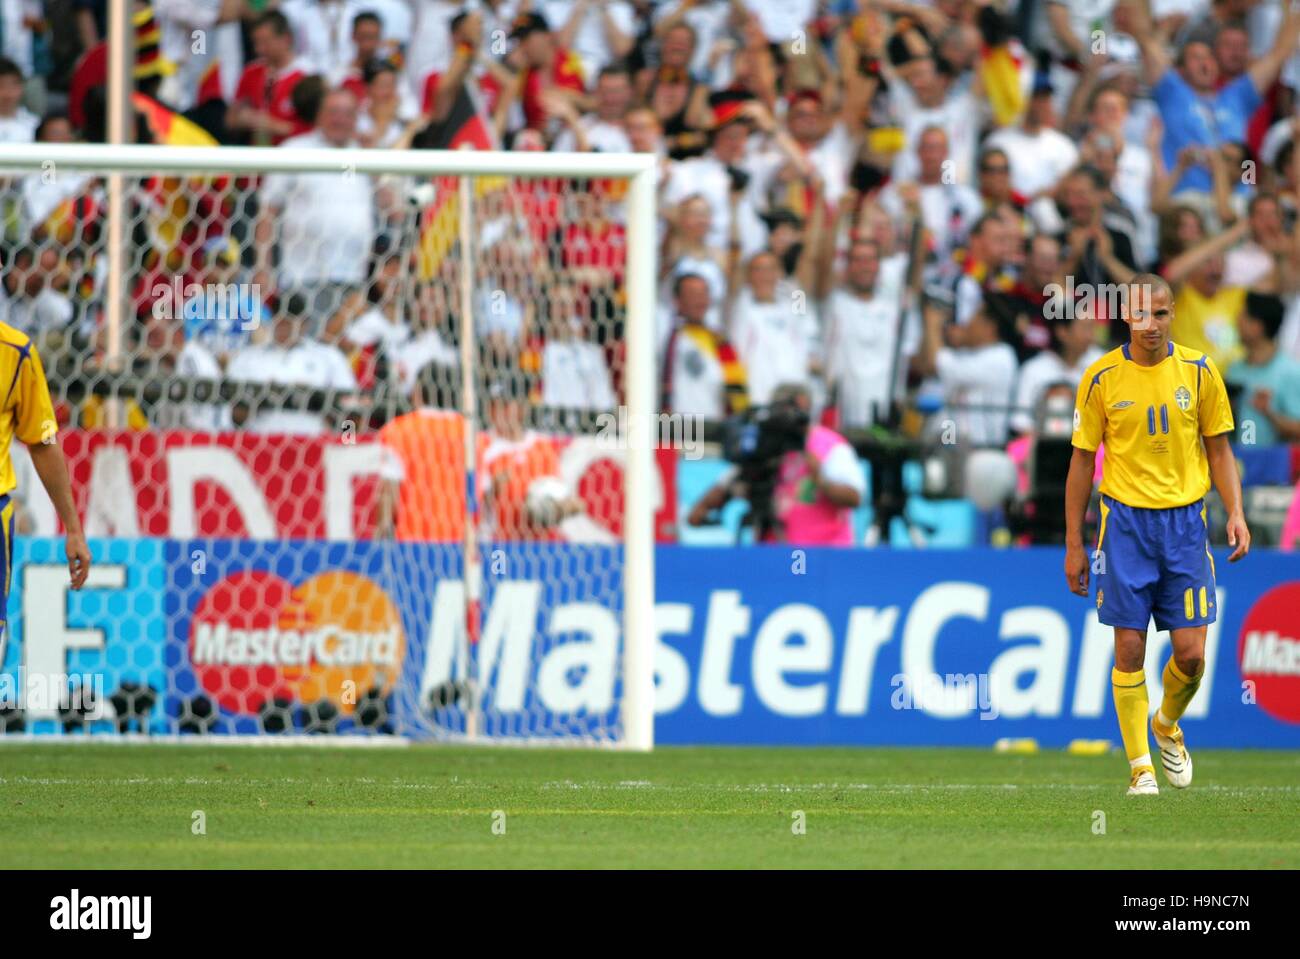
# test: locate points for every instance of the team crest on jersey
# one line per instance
(1183, 397)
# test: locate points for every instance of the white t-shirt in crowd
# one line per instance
(499, 312)
(1085, 15)
(708, 177)
(17, 34)
(948, 211)
(959, 116)
(783, 19)
(696, 381)
(397, 20)
(589, 40)
(180, 23)
(775, 340)
(708, 20)
(19, 128)
(323, 29)
(373, 327)
(406, 111)
(1132, 184)
(307, 363)
(1288, 337)
(1186, 8)
(860, 338)
(1040, 372)
(47, 310)
(326, 220)
(576, 376)
(833, 158)
(420, 351)
(982, 377)
(429, 50)
(602, 137)
(197, 361)
(1038, 160)
(1264, 21)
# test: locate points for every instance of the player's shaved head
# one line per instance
(1148, 309)
(1143, 293)
(1150, 280)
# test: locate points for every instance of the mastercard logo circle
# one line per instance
(1269, 652)
(255, 636)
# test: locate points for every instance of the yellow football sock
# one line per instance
(1131, 706)
(1179, 690)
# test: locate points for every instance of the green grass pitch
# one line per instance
(128, 806)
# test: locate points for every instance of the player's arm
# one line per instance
(1078, 490)
(1089, 428)
(1226, 479)
(1214, 415)
(35, 425)
(47, 458)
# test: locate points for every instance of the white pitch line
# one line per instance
(236, 780)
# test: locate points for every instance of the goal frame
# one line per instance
(638, 169)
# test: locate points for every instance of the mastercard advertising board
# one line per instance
(369, 637)
(264, 626)
(275, 637)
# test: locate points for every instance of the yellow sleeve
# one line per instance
(1089, 414)
(34, 420)
(1215, 412)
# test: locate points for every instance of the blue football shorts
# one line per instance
(1154, 562)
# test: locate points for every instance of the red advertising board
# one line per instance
(244, 485)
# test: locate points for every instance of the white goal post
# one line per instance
(121, 166)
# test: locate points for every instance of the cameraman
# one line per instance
(816, 489)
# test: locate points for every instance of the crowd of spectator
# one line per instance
(882, 202)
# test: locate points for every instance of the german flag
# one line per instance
(462, 129)
(74, 221)
(168, 127)
(440, 221)
(1001, 61)
(210, 84)
(181, 211)
(999, 70)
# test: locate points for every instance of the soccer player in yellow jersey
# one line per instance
(1161, 413)
(28, 416)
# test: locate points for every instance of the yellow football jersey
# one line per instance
(26, 413)
(1151, 420)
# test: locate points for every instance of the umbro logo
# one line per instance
(1122, 405)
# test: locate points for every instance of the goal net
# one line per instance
(349, 432)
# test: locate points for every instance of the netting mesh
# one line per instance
(277, 455)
